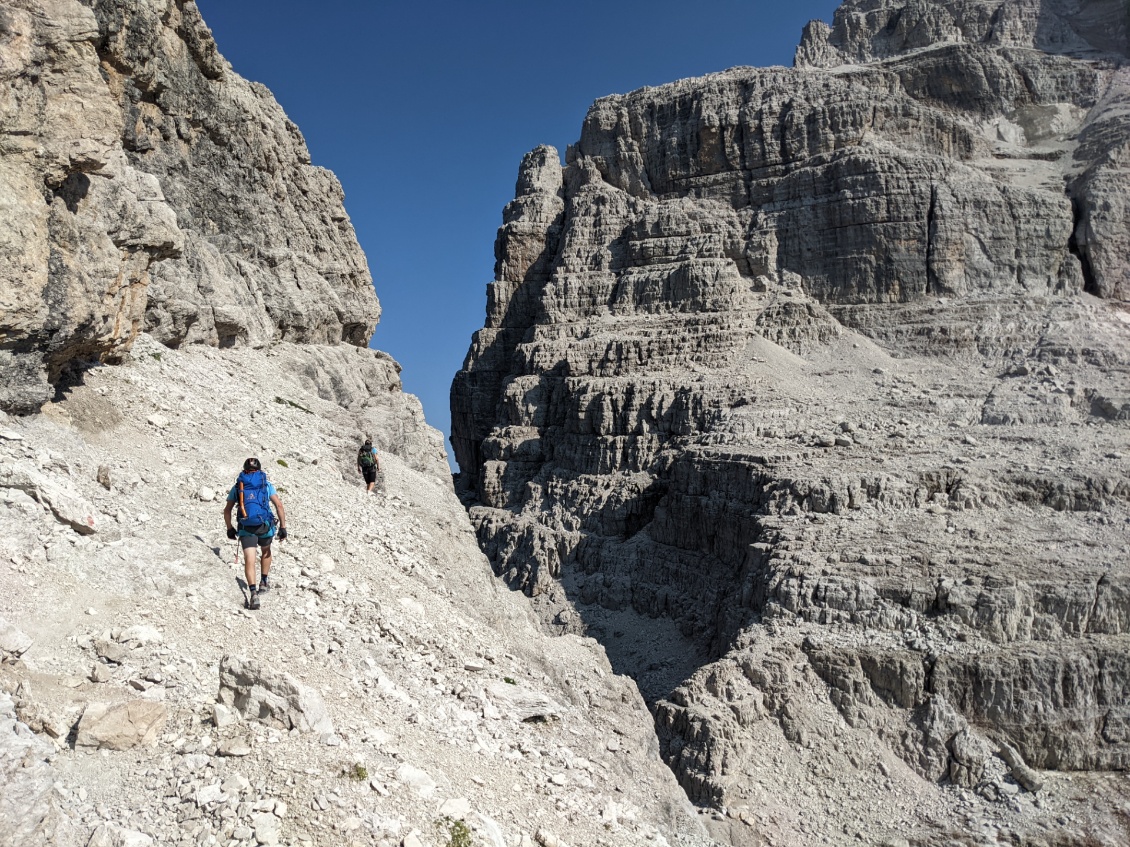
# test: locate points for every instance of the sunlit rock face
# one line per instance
(806, 390)
(144, 186)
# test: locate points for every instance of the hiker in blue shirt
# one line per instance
(368, 465)
(255, 495)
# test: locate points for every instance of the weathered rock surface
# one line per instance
(272, 697)
(383, 608)
(806, 392)
(120, 726)
(14, 642)
(29, 809)
(179, 199)
(182, 218)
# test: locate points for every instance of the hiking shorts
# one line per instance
(370, 474)
(248, 540)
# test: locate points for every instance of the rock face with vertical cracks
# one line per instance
(807, 390)
(144, 186)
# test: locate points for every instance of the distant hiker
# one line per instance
(254, 495)
(368, 465)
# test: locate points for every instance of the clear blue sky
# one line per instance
(424, 110)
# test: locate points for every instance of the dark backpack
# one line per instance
(255, 513)
(365, 458)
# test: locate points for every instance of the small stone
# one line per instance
(205, 494)
(13, 642)
(234, 747)
(10, 435)
(458, 808)
(209, 794)
(159, 421)
(111, 651)
(104, 478)
(843, 441)
(236, 784)
(222, 716)
(474, 665)
(267, 828)
(242, 833)
(547, 839)
(111, 835)
(416, 779)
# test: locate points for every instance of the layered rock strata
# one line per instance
(154, 210)
(807, 391)
(146, 186)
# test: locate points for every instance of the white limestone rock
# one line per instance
(121, 726)
(14, 642)
(271, 697)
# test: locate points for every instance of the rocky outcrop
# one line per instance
(146, 186)
(275, 698)
(30, 812)
(805, 391)
(182, 217)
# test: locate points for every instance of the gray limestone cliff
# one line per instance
(806, 391)
(161, 215)
(147, 187)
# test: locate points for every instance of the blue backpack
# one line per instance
(255, 513)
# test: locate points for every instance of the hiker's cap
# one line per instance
(368, 442)
(251, 465)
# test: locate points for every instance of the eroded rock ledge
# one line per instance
(807, 391)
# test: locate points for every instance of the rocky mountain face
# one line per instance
(159, 214)
(147, 187)
(806, 392)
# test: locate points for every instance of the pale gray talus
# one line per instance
(806, 390)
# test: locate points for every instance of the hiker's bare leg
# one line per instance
(249, 566)
(265, 560)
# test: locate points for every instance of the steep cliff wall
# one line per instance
(154, 210)
(806, 390)
(146, 186)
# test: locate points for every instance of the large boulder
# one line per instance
(273, 698)
(121, 726)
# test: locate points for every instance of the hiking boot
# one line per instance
(263, 587)
(253, 603)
